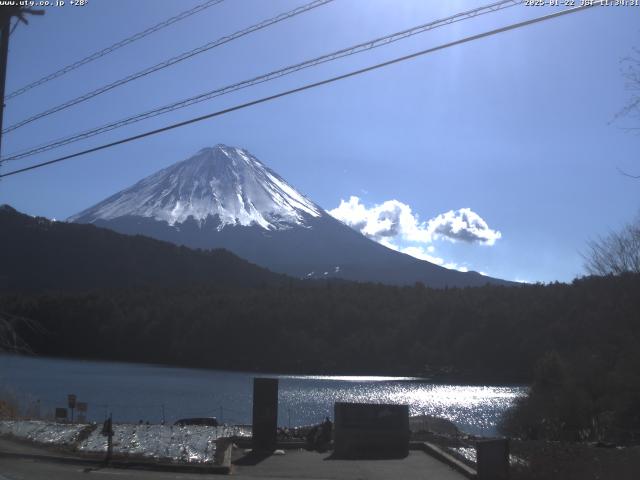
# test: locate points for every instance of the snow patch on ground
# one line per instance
(46, 433)
(469, 453)
(159, 442)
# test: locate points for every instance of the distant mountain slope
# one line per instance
(222, 181)
(223, 197)
(37, 253)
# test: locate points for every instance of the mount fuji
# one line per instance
(224, 197)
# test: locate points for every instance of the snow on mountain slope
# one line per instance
(225, 181)
(223, 197)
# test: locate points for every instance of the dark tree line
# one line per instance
(474, 334)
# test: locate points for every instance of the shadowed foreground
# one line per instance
(293, 464)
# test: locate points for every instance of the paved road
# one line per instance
(14, 469)
(295, 464)
(9, 446)
(309, 465)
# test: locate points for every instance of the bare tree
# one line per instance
(617, 253)
(631, 73)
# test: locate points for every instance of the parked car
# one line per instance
(201, 421)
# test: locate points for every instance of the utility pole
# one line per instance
(6, 14)
(5, 18)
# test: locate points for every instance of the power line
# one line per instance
(169, 62)
(7, 12)
(105, 51)
(309, 86)
(345, 52)
(267, 77)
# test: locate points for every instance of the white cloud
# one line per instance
(389, 219)
(465, 225)
(394, 219)
(394, 225)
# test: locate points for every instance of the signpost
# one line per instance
(107, 430)
(72, 404)
(82, 411)
(61, 414)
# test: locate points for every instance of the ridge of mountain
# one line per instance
(224, 197)
(41, 254)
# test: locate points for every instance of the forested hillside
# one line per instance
(478, 334)
(40, 254)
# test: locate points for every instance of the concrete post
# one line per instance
(265, 413)
(493, 459)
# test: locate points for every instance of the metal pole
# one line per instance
(110, 439)
(163, 413)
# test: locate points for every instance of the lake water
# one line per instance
(134, 392)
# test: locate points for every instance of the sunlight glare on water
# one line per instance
(474, 409)
(134, 392)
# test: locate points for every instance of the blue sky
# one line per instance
(516, 127)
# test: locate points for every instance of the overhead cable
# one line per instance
(309, 86)
(345, 52)
(106, 51)
(167, 63)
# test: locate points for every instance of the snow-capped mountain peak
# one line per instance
(222, 181)
(224, 197)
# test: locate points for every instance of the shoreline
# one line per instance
(436, 379)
